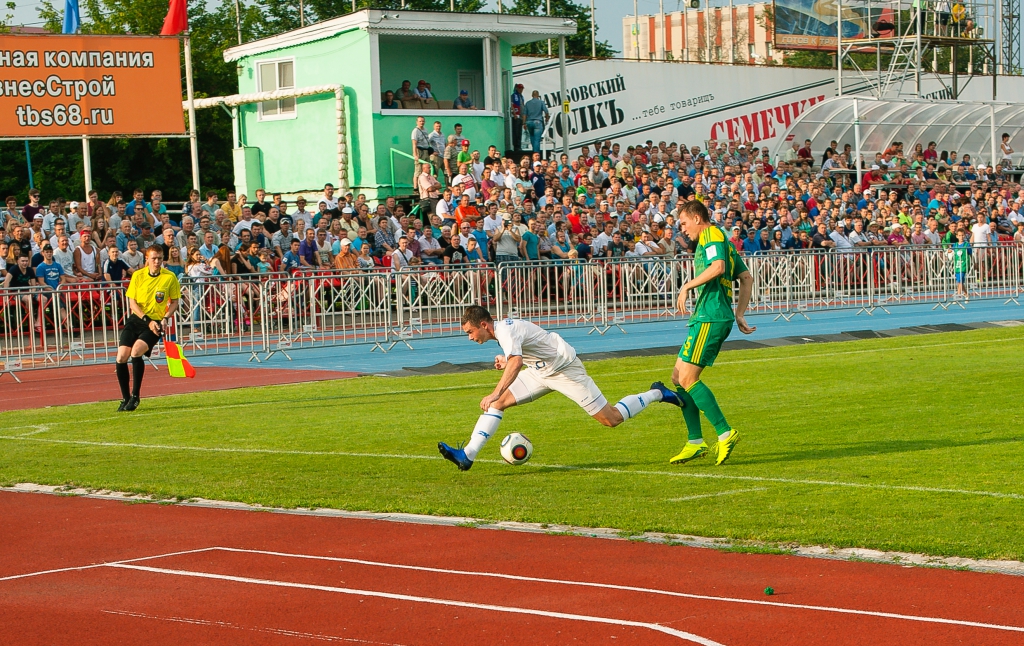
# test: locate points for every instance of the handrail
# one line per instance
(394, 184)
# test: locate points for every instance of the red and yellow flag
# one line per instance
(177, 364)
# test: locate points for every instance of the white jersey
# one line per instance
(543, 351)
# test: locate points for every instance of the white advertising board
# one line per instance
(631, 101)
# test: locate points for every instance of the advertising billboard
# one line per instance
(631, 101)
(811, 24)
(65, 86)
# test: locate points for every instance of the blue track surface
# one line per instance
(428, 352)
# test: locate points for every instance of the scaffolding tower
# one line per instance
(1010, 37)
(953, 41)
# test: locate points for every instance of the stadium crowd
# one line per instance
(480, 207)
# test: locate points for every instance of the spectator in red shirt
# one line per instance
(805, 152)
(466, 211)
(575, 221)
(737, 239)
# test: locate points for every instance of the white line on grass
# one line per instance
(628, 588)
(40, 428)
(731, 492)
(536, 465)
(96, 565)
(696, 639)
(258, 629)
(416, 391)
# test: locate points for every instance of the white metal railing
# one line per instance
(264, 316)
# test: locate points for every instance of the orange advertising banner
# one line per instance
(62, 86)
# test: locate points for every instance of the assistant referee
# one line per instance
(153, 296)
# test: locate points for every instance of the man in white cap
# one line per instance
(840, 236)
(345, 259)
(348, 223)
(865, 200)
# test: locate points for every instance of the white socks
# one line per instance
(486, 426)
(631, 405)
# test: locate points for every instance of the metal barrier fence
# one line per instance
(265, 316)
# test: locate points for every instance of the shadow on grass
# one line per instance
(859, 449)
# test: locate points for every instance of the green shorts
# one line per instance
(704, 341)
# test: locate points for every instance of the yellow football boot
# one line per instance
(726, 446)
(690, 452)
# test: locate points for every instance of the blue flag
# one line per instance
(72, 22)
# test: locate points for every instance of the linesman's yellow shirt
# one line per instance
(153, 293)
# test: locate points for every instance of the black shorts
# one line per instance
(136, 329)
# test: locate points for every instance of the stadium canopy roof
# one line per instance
(975, 128)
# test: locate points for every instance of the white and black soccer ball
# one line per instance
(516, 448)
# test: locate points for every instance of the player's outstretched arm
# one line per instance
(742, 301)
(512, 367)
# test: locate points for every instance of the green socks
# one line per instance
(691, 414)
(706, 402)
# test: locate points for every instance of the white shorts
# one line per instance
(573, 382)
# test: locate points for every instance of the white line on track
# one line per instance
(104, 564)
(731, 492)
(627, 588)
(696, 639)
(258, 629)
(531, 464)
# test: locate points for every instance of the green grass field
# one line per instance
(909, 444)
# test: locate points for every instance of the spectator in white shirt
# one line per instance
(839, 236)
(431, 251)
(402, 256)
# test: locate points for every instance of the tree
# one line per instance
(325, 9)
(576, 45)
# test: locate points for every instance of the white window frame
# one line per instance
(259, 88)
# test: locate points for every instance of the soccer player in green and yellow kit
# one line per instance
(716, 265)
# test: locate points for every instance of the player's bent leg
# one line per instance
(487, 424)
(630, 406)
(609, 415)
(687, 375)
(525, 388)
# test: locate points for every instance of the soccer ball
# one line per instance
(516, 448)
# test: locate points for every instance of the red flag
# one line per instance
(177, 18)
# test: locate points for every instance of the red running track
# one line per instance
(85, 384)
(271, 578)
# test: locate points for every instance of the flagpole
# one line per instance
(28, 159)
(87, 162)
(193, 142)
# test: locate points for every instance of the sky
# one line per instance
(609, 14)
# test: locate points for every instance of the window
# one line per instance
(768, 50)
(277, 75)
(751, 51)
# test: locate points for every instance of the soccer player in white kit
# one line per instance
(551, 364)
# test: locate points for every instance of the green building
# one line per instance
(309, 104)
